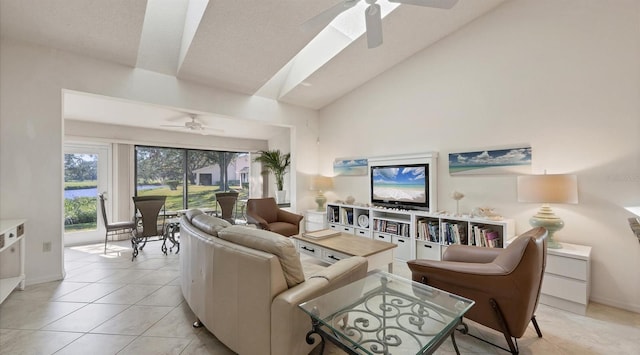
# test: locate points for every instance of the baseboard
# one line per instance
(43, 279)
(613, 303)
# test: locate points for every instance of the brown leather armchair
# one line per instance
(504, 283)
(265, 213)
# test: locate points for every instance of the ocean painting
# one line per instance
(502, 161)
(350, 167)
(399, 184)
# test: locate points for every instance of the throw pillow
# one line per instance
(272, 243)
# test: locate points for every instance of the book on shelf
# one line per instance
(493, 238)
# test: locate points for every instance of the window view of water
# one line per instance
(93, 192)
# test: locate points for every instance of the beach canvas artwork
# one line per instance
(502, 161)
(350, 167)
(399, 184)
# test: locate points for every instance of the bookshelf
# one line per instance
(349, 219)
(419, 234)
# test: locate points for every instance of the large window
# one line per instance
(190, 178)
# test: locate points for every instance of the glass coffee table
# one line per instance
(386, 314)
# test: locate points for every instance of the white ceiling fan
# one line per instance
(195, 125)
(372, 15)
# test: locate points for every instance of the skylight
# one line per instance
(342, 31)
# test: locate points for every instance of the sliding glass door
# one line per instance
(85, 176)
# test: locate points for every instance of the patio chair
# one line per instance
(113, 228)
(149, 221)
(227, 202)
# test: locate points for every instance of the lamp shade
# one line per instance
(558, 188)
(321, 183)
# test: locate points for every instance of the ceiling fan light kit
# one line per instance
(372, 14)
(194, 125)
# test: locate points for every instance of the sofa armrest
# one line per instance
(470, 254)
(257, 220)
(289, 217)
(289, 324)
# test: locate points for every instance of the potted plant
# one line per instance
(276, 162)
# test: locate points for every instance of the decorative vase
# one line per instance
(281, 196)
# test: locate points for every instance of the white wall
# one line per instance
(31, 131)
(562, 76)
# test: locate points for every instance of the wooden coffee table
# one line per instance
(332, 249)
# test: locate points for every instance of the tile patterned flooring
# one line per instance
(108, 304)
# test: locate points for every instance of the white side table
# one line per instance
(567, 278)
(315, 220)
(12, 252)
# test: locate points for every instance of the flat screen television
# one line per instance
(400, 186)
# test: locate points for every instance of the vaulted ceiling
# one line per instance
(245, 46)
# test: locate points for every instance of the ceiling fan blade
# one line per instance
(373, 20)
(171, 125)
(440, 4)
(322, 19)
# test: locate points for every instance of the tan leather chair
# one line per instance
(265, 213)
(504, 283)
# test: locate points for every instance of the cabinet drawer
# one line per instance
(383, 237)
(315, 217)
(309, 249)
(334, 226)
(346, 229)
(569, 267)
(331, 256)
(313, 226)
(403, 251)
(363, 233)
(562, 287)
(427, 250)
(8, 238)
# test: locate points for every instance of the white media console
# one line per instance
(409, 229)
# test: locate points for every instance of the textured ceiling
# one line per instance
(235, 45)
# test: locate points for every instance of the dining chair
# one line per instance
(149, 221)
(113, 228)
(227, 202)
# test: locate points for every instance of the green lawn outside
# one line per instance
(199, 196)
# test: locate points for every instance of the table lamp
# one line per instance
(546, 189)
(321, 184)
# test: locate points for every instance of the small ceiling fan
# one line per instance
(372, 15)
(195, 125)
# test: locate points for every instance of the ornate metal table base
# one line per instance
(170, 234)
(316, 328)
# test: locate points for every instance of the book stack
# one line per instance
(428, 230)
(485, 237)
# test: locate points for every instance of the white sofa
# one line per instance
(245, 284)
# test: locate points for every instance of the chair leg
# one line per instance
(535, 325)
(106, 237)
(503, 324)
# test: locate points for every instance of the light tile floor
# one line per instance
(108, 304)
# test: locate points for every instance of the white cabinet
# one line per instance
(12, 251)
(315, 220)
(567, 278)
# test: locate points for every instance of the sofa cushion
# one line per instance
(272, 243)
(209, 224)
(192, 213)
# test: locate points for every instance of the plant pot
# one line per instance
(281, 196)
